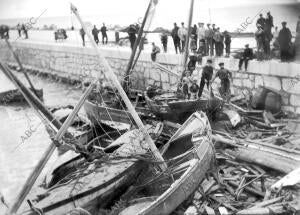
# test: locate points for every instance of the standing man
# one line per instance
(131, 33)
(182, 32)
(284, 39)
(269, 23)
(247, 55)
(214, 30)
(227, 43)
(224, 75)
(201, 34)
(194, 34)
(155, 51)
(217, 41)
(207, 73)
(24, 29)
(208, 41)
(95, 32)
(176, 39)
(104, 34)
(164, 41)
(298, 25)
(261, 21)
(19, 29)
(82, 34)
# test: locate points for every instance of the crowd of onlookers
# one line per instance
(207, 40)
(211, 41)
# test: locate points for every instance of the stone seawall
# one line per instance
(81, 63)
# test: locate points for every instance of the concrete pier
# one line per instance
(81, 63)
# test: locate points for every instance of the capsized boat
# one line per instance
(94, 183)
(190, 156)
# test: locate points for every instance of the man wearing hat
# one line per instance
(224, 75)
(247, 55)
(207, 73)
(284, 39)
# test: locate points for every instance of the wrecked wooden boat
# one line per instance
(107, 109)
(94, 184)
(190, 156)
(15, 96)
(173, 108)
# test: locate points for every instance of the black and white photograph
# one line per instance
(149, 107)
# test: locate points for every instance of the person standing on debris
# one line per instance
(164, 41)
(186, 83)
(132, 30)
(176, 39)
(227, 43)
(194, 88)
(95, 32)
(82, 34)
(201, 35)
(247, 55)
(224, 75)
(285, 40)
(155, 51)
(207, 73)
(104, 34)
(182, 32)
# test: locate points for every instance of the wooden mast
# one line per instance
(135, 46)
(21, 66)
(111, 75)
(187, 40)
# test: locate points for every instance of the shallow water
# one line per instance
(20, 153)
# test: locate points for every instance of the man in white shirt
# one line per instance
(182, 32)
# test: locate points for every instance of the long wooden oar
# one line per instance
(21, 66)
(111, 76)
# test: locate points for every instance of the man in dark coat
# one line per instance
(261, 21)
(82, 34)
(227, 43)
(164, 41)
(176, 39)
(104, 34)
(224, 75)
(95, 32)
(247, 55)
(207, 73)
(284, 39)
(132, 30)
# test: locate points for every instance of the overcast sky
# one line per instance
(128, 11)
(28, 8)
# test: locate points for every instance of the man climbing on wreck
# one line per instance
(225, 76)
(207, 73)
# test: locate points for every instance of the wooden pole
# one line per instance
(71, 116)
(111, 75)
(21, 66)
(133, 52)
(187, 39)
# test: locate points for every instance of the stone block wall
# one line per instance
(81, 63)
